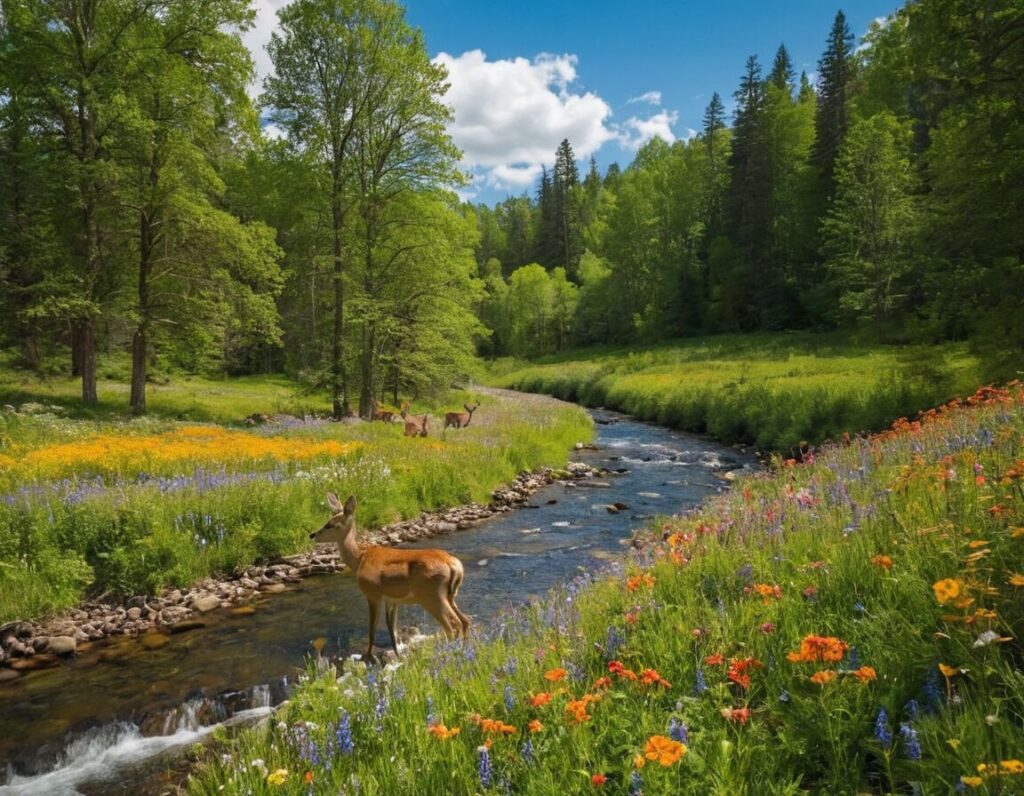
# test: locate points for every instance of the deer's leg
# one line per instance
(463, 619)
(391, 617)
(437, 607)
(374, 612)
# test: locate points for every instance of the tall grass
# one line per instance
(129, 506)
(774, 391)
(852, 624)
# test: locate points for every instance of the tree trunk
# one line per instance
(85, 331)
(139, 345)
(366, 389)
(339, 387)
(140, 338)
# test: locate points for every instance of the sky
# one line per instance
(607, 75)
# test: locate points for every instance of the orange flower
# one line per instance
(554, 675)
(819, 648)
(637, 581)
(632, 617)
(617, 668)
(442, 733)
(865, 674)
(540, 700)
(768, 591)
(664, 750)
(739, 715)
(946, 590)
(577, 708)
(603, 682)
(948, 671)
(651, 677)
(496, 727)
(714, 660)
(308, 779)
(738, 668)
(535, 726)
(823, 678)
(882, 562)
(639, 761)
(1016, 580)
(597, 780)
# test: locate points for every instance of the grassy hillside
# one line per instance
(774, 391)
(130, 505)
(852, 624)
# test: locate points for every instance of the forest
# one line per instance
(155, 214)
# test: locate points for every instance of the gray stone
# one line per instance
(206, 604)
(6, 675)
(62, 645)
(135, 612)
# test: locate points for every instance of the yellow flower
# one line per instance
(639, 761)
(946, 590)
(972, 782)
(1011, 767)
(948, 671)
(1016, 580)
(664, 750)
(277, 777)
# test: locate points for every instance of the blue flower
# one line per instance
(854, 658)
(677, 731)
(882, 731)
(344, 735)
(636, 784)
(911, 743)
(913, 710)
(510, 700)
(430, 711)
(784, 696)
(528, 751)
(484, 766)
(702, 684)
(613, 640)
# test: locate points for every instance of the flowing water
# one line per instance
(115, 719)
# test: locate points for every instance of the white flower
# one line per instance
(985, 639)
(991, 720)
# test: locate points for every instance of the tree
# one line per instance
(835, 78)
(529, 297)
(564, 187)
(870, 224)
(782, 70)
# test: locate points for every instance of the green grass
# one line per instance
(142, 519)
(943, 501)
(774, 391)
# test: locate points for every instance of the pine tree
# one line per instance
(835, 70)
(714, 120)
(546, 241)
(782, 69)
(806, 91)
(564, 182)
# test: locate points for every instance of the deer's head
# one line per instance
(472, 408)
(341, 523)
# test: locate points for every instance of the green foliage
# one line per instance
(848, 547)
(777, 392)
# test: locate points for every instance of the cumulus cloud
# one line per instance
(649, 97)
(511, 114)
(636, 132)
(258, 35)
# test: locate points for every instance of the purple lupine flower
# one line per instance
(702, 684)
(784, 696)
(854, 658)
(613, 641)
(527, 751)
(912, 709)
(677, 731)
(911, 743)
(510, 699)
(344, 735)
(483, 767)
(430, 711)
(636, 784)
(882, 731)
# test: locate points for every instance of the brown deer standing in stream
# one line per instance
(430, 578)
(460, 419)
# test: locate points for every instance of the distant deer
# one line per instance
(376, 413)
(430, 578)
(414, 427)
(460, 419)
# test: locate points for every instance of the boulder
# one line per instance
(206, 603)
(62, 645)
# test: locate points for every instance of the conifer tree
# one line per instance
(782, 69)
(714, 120)
(566, 206)
(835, 70)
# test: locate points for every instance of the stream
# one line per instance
(116, 718)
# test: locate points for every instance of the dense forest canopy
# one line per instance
(145, 210)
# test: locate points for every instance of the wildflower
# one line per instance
(632, 617)
(577, 708)
(811, 593)
(651, 677)
(664, 750)
(638, 581)
(618, 669)
(510, 701)
(554, 675)
(912, 709)
(677, 731)
(496, 727)
(443, 733)
(527, 751)
(613, 641)
(603, 682)
(277, 777)
(948, 671)
(737, 671)
(715, 660)
(819, 648)
(636, 784)
(1016, 580)
(784, 696)
(535, 726)
(823, 678)
(990, 637)
(911, 743)
(882, 562)
(946, 590)
(767, 628)
(991, 720)
(882, 731)
(854, 658)
(483, 767)
(597, 780)
(768, 591)
(540, 700)
(739, 715)
(701, 685)
(865, 674)
(308, 779)
(972, 782)
(344, 734)
(1011, 767)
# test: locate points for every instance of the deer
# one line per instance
(460, 419)
(376, 413)
(413, 427)
(430, 578)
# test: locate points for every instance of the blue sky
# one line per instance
(527, 74)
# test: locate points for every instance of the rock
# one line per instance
(186, 625)
(173, 598)
(594, 484)
(40, 643)
(154, 641)
(135, 612)
(136, 602)
(15, 630)
(621, 506)
(6, 675)
(243, 610)
(274, 588)
(552, 502)
(611, 509)
(206, 604)
(729, 476)
(63, 645)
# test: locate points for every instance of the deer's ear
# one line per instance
(350, 505)
(333, 502)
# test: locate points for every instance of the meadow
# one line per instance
(847, 624)
(101, 504)
(775, 391)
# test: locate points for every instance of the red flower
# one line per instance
(597, 780)
(715, 660)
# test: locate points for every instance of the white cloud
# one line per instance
(258, 35)
(650, 97)
(636, 131)
(511, 114)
